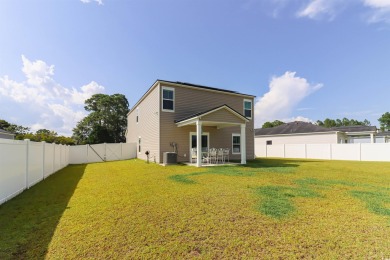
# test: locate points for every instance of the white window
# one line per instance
(168, 99)
(236, 144)
(248, 108)
(139, 144)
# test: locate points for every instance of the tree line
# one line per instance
(23, 132)
(384, 121)
(106, 123)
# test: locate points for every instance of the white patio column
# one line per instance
(198, 143)
(243, 144)
(372, 138)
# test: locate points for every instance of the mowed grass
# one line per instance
(267, 209)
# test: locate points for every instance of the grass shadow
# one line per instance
(252, 168)
(28, 221)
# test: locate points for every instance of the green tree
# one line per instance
(106, 122)
(4, 124)
(272, 124)
(384, 121)
(342, 122)
(45, 135)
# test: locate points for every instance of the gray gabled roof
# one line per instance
(5, 132)
(212, 109)
(296, 127)
(204, 87)
(355, 128)
(386, 133)
(299, 127)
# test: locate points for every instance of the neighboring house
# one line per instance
(6, 135)
(308, 133)
(176, 116)
(383, 137)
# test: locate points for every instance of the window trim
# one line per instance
(162, 99)
(248, 100)
(233, 135)
(268, 142)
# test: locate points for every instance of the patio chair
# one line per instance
(220, 155)
(226, 153)
(213, 155)
(193, 155)
(206, 157)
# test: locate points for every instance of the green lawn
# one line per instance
(267, 209)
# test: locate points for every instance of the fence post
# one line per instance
(105, 152)
(284, 150)
(54, 157)
(43, 160)
(360, 151)
(305, 151)
(86, 159)
(60, 146)
(121, 151)
(27, 151)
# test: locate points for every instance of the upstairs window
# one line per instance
(248, 108)
(137, 114)
(269, 142)
(168, 99)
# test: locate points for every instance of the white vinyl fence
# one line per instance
(102, 152)
(352, 152)
(25, 163)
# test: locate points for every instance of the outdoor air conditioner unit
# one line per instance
(169, 158)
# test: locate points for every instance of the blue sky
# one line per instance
(302, 59)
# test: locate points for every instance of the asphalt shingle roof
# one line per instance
(292, 128)
(298, 127)
(204, 87)
(355, 128)
(5, 132)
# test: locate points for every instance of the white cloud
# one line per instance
(380, 10)
(78, 97)
(297, 118)
(377, 3)
(99, 2)
(285, 93)
(55, 107)
(318, 9)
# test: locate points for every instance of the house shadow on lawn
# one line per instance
(272, 163)
(252, 168)
(28, 221)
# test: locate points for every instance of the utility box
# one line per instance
(169, 158)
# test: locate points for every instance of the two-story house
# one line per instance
(176, 116)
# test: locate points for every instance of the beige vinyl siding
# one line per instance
(147, 126)
(319, 138)
(189, 101)
(221, 115)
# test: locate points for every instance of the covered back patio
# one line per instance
(219, 117)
